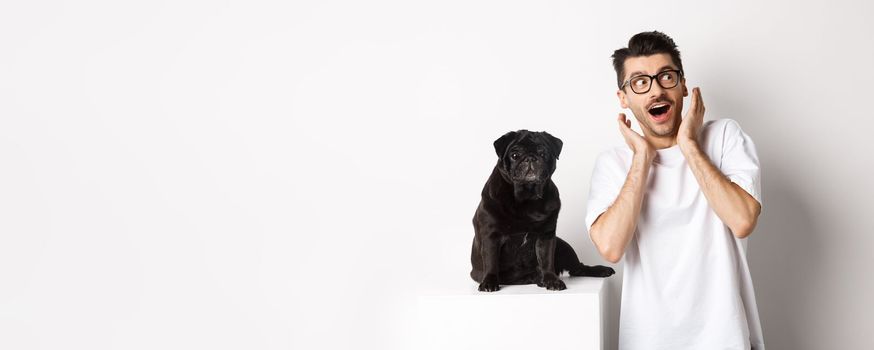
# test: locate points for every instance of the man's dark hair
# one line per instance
(645, 44)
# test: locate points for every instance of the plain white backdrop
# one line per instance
(274, 175)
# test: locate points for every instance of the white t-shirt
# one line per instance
(686, 283)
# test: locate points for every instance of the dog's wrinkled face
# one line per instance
(527, 160)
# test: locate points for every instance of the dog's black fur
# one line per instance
(514, 225)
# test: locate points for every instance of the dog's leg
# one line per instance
(490, 250)
(545, 249)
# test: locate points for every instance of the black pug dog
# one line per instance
(514, 225)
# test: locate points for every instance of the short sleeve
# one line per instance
(607, 179)
(740, 162)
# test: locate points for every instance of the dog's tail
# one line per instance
(566, 260)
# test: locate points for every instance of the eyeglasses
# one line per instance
(641, 84)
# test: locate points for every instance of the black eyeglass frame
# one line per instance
(651, 78)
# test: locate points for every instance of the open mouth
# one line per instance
(659, 111)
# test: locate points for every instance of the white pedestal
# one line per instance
(515, 317)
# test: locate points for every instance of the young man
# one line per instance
(678, 202)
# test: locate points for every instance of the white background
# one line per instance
(238, 174)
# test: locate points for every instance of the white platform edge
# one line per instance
(577, 286)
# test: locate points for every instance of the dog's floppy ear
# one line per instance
(502, 143)
(554, 144)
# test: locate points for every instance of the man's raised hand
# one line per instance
(639, 145)
(692, 121)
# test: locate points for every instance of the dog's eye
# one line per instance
(514, 155)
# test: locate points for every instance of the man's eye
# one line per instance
(639, 82)
(667, 77)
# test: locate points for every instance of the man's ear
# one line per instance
(554, 144)
(504, 141)
(622, 98)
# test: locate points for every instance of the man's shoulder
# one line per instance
(613, 155)
(719, 125)
(613, 160)
(718, 132)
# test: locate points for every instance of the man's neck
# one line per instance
(662, 142)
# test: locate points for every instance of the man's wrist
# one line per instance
(642, 158)
(688, 145)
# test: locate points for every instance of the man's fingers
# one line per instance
(696, 106)
(624, 124)
(694, 103)
(626, 120)
(625, 128)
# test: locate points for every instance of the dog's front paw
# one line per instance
(489, 284)
(552, 283)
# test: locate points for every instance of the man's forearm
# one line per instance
(612, 231)
(732, 204)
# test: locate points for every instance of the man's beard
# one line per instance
(666, 129)
(670, 131)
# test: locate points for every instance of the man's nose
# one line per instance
(656, 92)
(656, 89)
